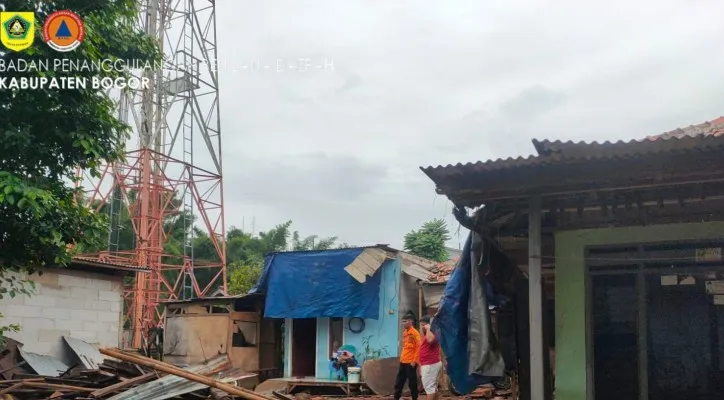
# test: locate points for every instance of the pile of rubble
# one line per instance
(117, 376)
(441, 271)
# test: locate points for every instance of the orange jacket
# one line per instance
(410, 346)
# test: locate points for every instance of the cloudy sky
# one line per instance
(358, 94)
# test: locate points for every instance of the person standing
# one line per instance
(409, 358)
(430, 363)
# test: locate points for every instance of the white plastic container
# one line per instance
(353, 374)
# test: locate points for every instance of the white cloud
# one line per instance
(411, 83)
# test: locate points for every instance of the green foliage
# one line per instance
(45, 135)
(312, 242)
(245, 253)
(370, 353)
(429, 241)
(243, 277)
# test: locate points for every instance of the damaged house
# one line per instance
(330, 298)
(621, 245)
(80, 302)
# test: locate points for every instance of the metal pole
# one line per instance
(535, 292)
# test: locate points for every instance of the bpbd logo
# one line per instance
(63, 31)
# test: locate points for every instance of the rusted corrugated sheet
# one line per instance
(701, 131)
(417, 267)
(170, 385)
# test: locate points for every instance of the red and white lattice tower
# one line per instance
(172, 171)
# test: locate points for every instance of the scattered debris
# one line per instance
(113, 374)
(119, 376)
(441, 271)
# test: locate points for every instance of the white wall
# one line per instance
(79, 304)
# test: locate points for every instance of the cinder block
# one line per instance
(109, 295)
(58, 293)
(56, 313)
(71, 304)
(51, 335)
(117, 285)
(107, 316)
(14, 310)
(84, 293)
(109, 339)
(100, 284)
(7, 300)
(83, 315)
(86, 336)
(96, 326)
(41, 347)
(5, 321)
(97, 305)
(41, 300)
(113, 326)
(66, 279)
(36, 324)
(65, 324)
(47, 279)
(116, 306)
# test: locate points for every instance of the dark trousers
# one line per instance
(406, 373)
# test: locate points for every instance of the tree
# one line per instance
(312, 242)
(245, 253)
(46, 134)
(429, 241)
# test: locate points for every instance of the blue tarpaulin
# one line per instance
(314, 284)
(471, 360)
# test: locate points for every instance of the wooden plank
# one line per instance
(124, 384)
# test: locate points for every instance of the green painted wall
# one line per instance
(572, 374)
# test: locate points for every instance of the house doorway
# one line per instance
(304, 347)
(656, 326)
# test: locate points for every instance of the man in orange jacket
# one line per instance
(409, 358)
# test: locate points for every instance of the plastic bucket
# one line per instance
(354, 374)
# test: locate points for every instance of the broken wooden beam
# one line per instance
(124, 384)
(170, 369)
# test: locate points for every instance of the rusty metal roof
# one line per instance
(712, 128)
(476, 183)
(100, 263)
(557, 152)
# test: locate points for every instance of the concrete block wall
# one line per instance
(79, 304)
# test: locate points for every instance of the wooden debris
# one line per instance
(170, 369)
(114, 377)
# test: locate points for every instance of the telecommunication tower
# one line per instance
(171, 177)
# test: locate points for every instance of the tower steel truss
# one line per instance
(171, 177)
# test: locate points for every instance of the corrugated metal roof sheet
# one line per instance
(85, 260)
(424, 269)
(582, 151)
(712, 128)
(170, 385)
(43, 365)
(87, 353)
